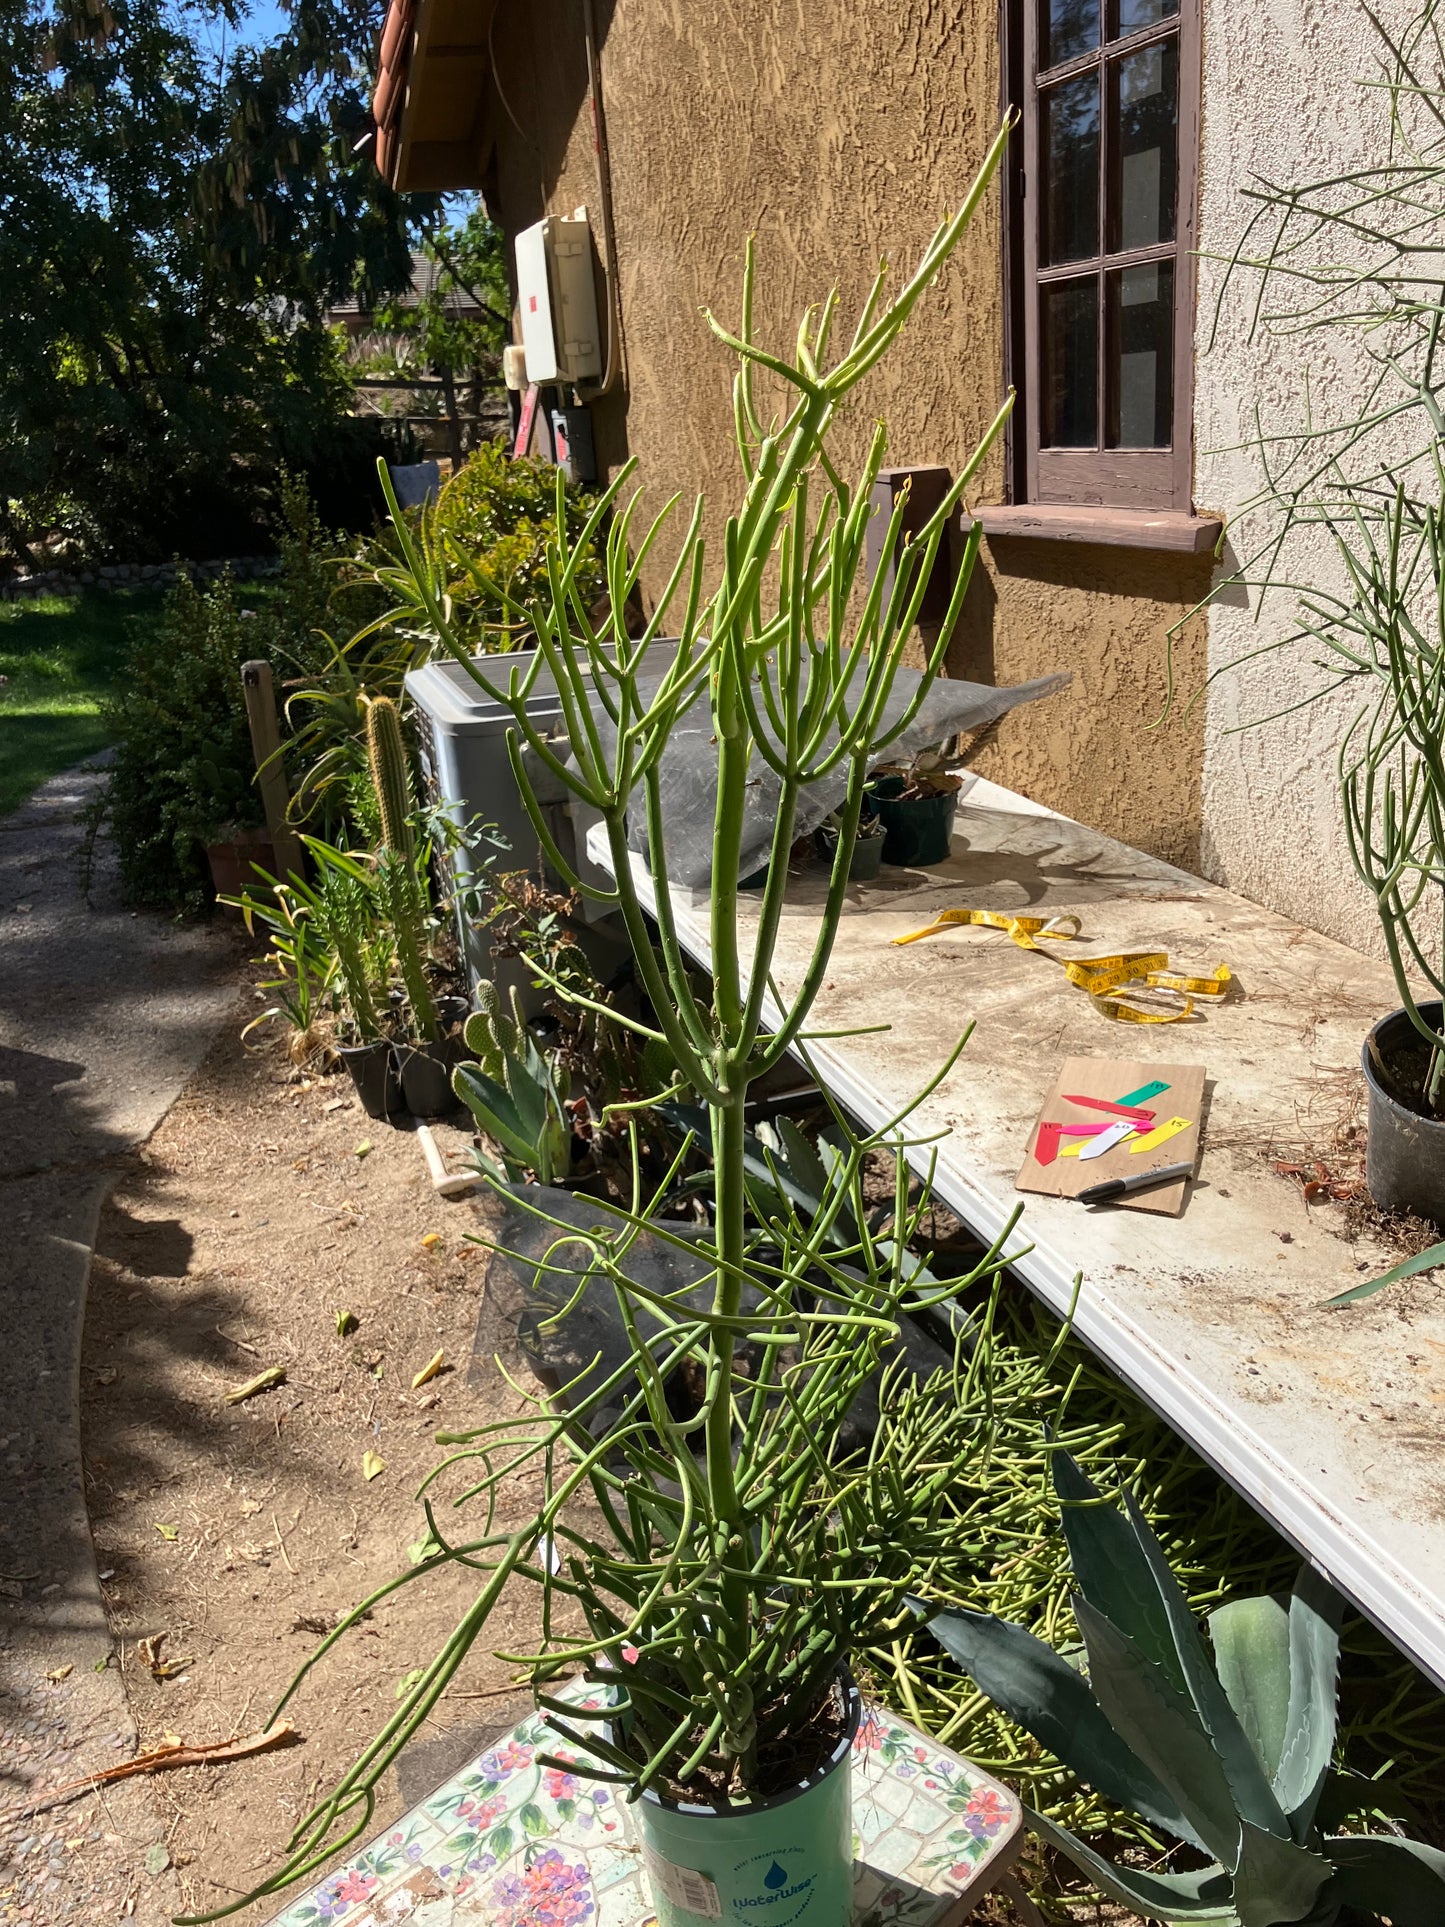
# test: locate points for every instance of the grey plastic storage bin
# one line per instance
(463, 735)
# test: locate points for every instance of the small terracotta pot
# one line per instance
(231, 864)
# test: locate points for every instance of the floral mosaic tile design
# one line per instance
(508, 1842)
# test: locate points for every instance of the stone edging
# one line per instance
(130, 575)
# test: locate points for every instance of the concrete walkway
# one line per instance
(104, 1015)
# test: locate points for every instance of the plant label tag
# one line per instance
(683, 1886)
(1143, 1094)
(1096, 1147)
(1162, 1133)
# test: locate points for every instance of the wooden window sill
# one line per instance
(1166, 529)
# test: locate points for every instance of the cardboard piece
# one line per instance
(1111, 1078)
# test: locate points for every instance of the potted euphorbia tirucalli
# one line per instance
(715, 1556)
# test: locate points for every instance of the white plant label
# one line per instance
(683, 1886)
(1106, 1140)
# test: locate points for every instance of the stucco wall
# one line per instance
(1280, 101)
(839, 136)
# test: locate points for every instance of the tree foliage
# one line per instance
(461, 320)
(180, 207)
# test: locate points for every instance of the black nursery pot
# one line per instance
(426, 1078)
(1405, 1150)
(372, 1068)
(918, 830)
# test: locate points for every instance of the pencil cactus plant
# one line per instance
(735, 1549)
(1231, 1753)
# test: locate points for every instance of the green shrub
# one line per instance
(183, 769)
(488, 530)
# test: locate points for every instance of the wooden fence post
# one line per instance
(270, 773)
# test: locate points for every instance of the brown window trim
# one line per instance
(1147, 480)
(1169, 530)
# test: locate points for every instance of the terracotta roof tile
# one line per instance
(386, 102)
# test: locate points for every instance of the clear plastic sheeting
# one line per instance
(688, 769)
(571, 1332)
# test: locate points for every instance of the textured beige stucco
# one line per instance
(838, 136)
(1281, 102)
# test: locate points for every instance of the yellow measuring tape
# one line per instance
(1106, 979)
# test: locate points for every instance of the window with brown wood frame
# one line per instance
(1100, 266)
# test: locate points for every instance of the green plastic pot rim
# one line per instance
(853, 1708)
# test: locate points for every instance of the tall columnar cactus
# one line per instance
(390, 775)
(400, 880)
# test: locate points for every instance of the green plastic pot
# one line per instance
(918, 830)
(776, 1861)
(865, 860)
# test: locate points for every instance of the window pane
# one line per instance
(1071, 27)
(1144, 106)
(1141, 356)
(1135, 15)
(1070, 143)
(1069, 351)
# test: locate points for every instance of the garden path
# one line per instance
(104, 1015)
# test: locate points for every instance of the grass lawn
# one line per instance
(58, 655)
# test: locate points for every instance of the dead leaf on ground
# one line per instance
(428, 1371)
(150, 1651)
(250, 1507)
(372, 1465)
(266, 1381)
(60, 1673)
(173, 1753)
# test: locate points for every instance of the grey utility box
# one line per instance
(463, 734)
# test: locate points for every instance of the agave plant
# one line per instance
(516, 1092)
(1228, 1749)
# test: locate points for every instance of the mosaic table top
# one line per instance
(510, 1843)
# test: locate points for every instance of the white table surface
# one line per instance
(1330, 1422)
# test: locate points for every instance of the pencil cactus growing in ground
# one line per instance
(1231, 1754)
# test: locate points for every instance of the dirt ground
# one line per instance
(230, 1533)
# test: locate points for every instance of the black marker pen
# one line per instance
(1125, 1187)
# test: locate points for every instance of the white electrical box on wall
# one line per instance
(558, 300)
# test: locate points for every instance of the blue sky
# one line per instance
(265, 20)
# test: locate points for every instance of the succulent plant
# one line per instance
(1232, 1754)
(400, 872)
(516, 1093)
